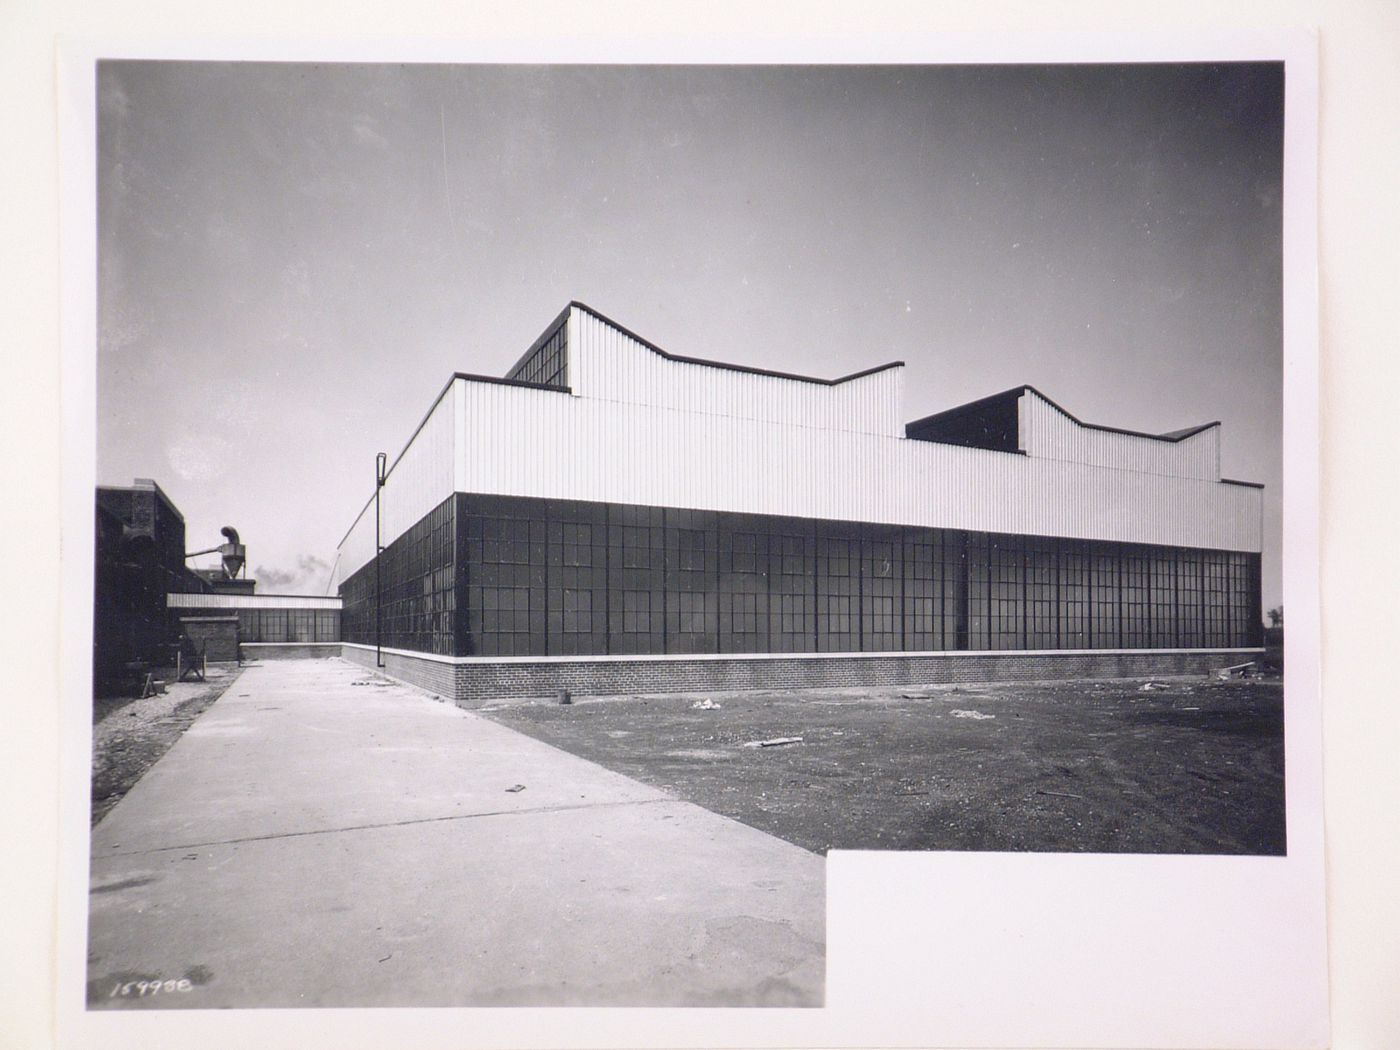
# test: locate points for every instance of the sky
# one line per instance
(293, 259)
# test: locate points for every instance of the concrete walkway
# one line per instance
(320, 837)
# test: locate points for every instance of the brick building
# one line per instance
(139, 558)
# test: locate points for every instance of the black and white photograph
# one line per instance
(548, 516)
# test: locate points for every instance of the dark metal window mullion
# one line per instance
(860, 593)
(712, 583)
(665, 579)
(1024, 556)
(1090, 604)
(544, 617)
(1202, 637)
(1176, 598)
(1151, 620)
(900, 602)
(607, 582)
(812, 580)
(1120, 586)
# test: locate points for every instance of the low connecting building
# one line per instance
(267, 626)
(610, 517)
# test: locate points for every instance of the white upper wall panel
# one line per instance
(607, 364)
(251, 601)
(640, 427)
(548, 444)
(420, 478)
(1048, 433)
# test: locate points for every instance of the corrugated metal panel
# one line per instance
(422, 477)
(537, 443)
(250, 601)
(639, 428)
(1047, 433)
(609, 365)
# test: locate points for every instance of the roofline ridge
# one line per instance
(1173, 436)
(729, 366)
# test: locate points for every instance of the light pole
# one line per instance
(379, 464)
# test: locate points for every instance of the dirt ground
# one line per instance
(1187, 766)
(129, 736)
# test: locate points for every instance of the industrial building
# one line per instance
(611, 517)
(139, 559)
(269, 625)
(147, 603)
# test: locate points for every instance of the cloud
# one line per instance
(308, 577)
(272, 578)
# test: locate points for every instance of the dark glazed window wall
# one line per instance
(636, 612)
(692, 599)
(881, 590)
(1073, 595)
(934, 576)
(548, 363)
(921, 560)
(838, 588)
(636, 579)
(416, 593)
(576, 583)
(743, 577)
(1190, 609)
(505, 569)
(979, 596)
(1106, 596)
(792, 615)
(1007, 584)
(578, 612)
(1217, 594)
(1136, 590)
(503, 542)
(536, 577)
(1240, 604)
(1164, 599)
(280, 624)
(1042, 574)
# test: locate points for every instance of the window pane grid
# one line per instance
(1006, 591)
(413, 589)
(1136, 592)
(576, 578)
(549, 364)
(1041, 594)
(1073, 595)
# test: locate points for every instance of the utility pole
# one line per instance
(379, 472)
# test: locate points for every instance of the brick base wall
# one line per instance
(476, 683)
(290, 650)
(435, 677)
